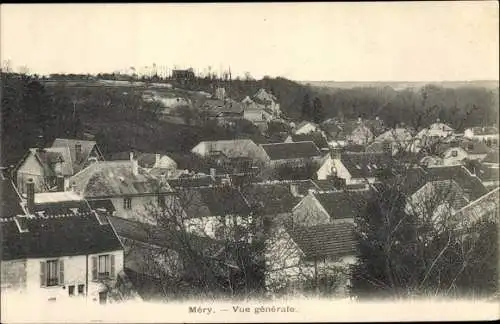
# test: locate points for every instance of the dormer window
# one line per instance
(454, 153)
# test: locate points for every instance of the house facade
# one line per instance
(59, 250)
(230, 148)
(292, 154)
(483, 134)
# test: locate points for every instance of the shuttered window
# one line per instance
(51, 273)
(103, 267)
(94, 268)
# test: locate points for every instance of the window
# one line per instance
(103, 267)
(51, 273)
(161, 201)
(80, 289)
(454, 153)
(127, 203)
(71, 290)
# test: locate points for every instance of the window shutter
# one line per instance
(112, 261)
(43, 279)
(94, 268)
(61, 273)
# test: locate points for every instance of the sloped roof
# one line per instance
(325, 240)
(485, 207)
(274, 198)
(395, 135)
(489, 130)
(217, 105)
(9, 200)
(189, 182)
(315, 137)
(86, 147)
(57, 235)
(213, 201)
(115, 178)
(488, 174)
(296, 150)
(234, 148)
(491, 157)
(470, 184)
(443, 191)
(343, 204)
(473, 147)
(262, 96)
(48, 157)
(364, 164)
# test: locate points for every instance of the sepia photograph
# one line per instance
(249, 162)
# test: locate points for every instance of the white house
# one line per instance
(59, 250)
(306, 127)
(230, 148)
(483, 134)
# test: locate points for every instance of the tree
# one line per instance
(318, 113)
(413, 244)
(306, 107)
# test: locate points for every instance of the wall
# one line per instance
(201, 149)
(326, 169)
(13, 275)
(74, 274)
(449, 159)
(30, 169)
(309, 212)
(139, 209)
(207, 226)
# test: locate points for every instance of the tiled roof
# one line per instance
(57, 235)
(315, 137)
(115, 178)
(86, 148)
(274, 198)
(472, 147)
(343, 204)
(325, 240)
(470, 184)
(297, 150)
(485, 130)
(189, 182)
(485, 207)
(9, 200)
(213, 201)
(365, 164)
(492, 157)
(488, 174)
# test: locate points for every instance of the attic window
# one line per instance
(22, 224)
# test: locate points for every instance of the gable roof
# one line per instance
(115, 178)
(325, 240)
(488, 174)
(49, 157)
(485, 207)
(273, 198)
(233, 148)
(86, 148)
(364, 164)
(57, 235)
(315, 137)
(296, 150)
(489, 130)
(439, 192)
(212, 201)
(262, 96)
(188, 182)
(473, 147)
(470, 184)
(395, 135)
(343, 204)
(491, 157)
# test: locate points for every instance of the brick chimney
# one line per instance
(30, 195)
(134, 164)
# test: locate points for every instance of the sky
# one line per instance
(401, 41)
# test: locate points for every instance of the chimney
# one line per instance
(30, 195)
(135, 165)
(157, 160)
(78, 152)
(60, 183)
(377, 118)
(294, 189)
(359, 120)
(212, 173)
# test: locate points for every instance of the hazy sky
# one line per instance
(418, 41)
